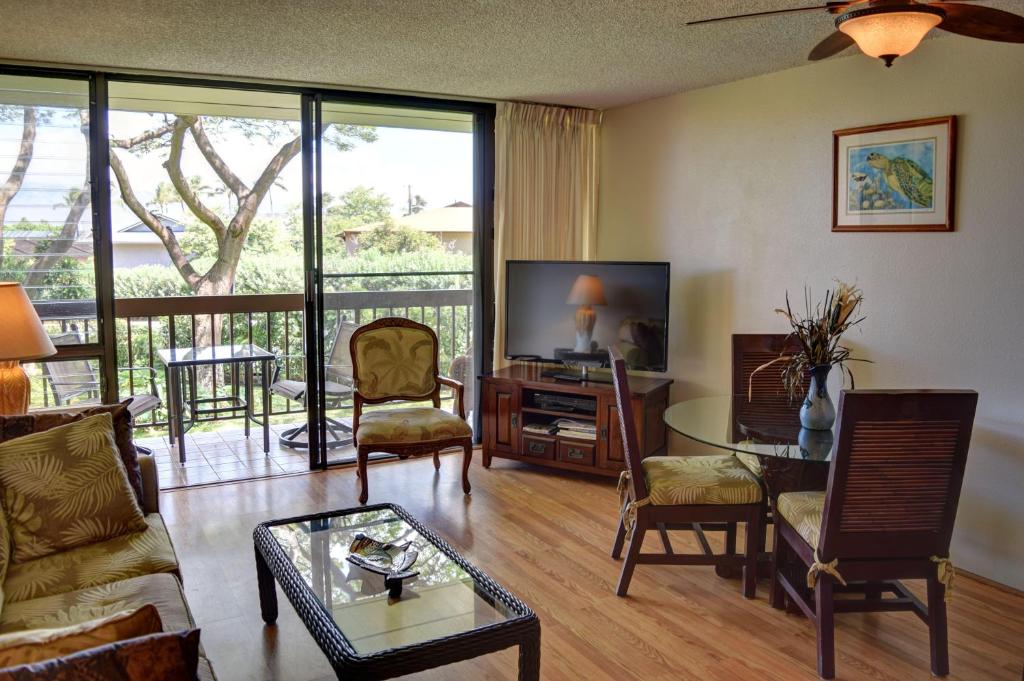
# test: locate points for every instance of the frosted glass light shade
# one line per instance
(587, 290)
(21, 333)
(889, 34)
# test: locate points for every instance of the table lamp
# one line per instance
(21, 337)
(586, 292)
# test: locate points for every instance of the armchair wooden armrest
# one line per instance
(459, 390)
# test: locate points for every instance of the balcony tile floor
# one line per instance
(224, 455)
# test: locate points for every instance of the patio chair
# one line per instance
(338, 391)
(888, 514)
(74, 382)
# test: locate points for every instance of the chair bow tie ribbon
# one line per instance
(819, 566)
(628, 508)
(946, 574)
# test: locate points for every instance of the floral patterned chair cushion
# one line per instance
(83, 605)
(66, 487)
(395, 361)
(409, 425)
(752, 462)
(696, 480)
(803, 511)
(130, 555)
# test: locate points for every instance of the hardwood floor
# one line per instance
(534, 531)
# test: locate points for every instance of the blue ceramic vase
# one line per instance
(817, 411)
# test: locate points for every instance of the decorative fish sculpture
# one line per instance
(384, 558)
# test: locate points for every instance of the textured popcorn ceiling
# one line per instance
(593, 53)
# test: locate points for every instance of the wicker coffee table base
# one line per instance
(273, 567)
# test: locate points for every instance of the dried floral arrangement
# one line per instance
(818, 331)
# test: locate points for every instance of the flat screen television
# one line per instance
(570, 312)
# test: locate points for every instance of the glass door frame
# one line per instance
(311, 98)
(483, 243)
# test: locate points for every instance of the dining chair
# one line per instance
(396, 360)
(887, 515)
(681, 493)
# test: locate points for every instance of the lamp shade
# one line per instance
(587, 290)
(21, 333)
(889, 34)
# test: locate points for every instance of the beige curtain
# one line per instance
(545, 191)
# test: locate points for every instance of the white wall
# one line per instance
(733, 185)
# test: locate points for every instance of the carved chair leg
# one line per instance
(437, 460)
(620, 539)
(636, 540)
(664, 539)
(754, 542)
(776, 594)
(824, 608)
(937, 631)
(467, 457)
(361, 458)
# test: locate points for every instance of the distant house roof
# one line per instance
(170, 223)
(139, 233)
(455, 217)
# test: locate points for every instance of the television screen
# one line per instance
(570, 312)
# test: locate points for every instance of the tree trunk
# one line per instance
(14, 181)
(55, 250)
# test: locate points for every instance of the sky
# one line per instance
(438, 166)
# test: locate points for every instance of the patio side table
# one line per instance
(179, 361)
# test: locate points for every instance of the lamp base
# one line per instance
(585, 320)
(14, 389)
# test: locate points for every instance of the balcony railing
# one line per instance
(272, 321)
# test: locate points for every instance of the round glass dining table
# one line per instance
(790, 458)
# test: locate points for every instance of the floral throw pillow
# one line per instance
(37, 645)
(21, 425)
(157, 657)
(66, 487)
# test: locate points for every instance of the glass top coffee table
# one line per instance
(449, 612)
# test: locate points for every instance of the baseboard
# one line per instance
(990, 582)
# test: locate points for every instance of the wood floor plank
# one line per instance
(546, 536)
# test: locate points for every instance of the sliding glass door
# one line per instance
(395, 225)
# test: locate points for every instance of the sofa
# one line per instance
(97, 580)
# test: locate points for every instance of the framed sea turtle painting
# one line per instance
(897, 177)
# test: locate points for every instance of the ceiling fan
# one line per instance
(892, 28)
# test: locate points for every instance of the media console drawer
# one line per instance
(540, 447)
(576, 451)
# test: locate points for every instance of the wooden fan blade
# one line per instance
(834, 44)
(977, 21)
(831, 6)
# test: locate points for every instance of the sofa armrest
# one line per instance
(150, 484)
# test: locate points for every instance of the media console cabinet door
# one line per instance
(501, 416)
(610, 453)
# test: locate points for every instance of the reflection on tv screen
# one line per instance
(572, 311)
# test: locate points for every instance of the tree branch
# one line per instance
(14, 181)
(59, 247)
(170, 241)
(148, 136)
(247, 207)
(227, 176)
(173, 167)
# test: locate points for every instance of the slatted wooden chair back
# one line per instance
(627, 422)
(751, 350)
(897, 469)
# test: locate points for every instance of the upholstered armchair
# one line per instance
(395, 360)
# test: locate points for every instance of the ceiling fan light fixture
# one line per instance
(889, 32)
